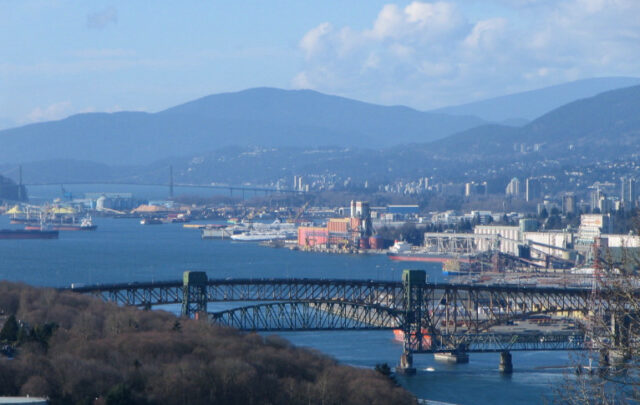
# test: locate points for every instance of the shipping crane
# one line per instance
(301, 211)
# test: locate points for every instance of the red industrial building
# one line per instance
(310, 236)
(352, 231)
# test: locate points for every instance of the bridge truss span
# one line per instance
(433, 318)
(504, 342)
(308, 315)
(451, 308)
(501, 299)
(365, 292)
(388, 294)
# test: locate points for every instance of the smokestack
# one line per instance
(20, 183)
(170, 181)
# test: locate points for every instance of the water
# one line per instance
(125, 251)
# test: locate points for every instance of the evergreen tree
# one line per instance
(9, 332)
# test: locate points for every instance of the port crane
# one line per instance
(301, 211)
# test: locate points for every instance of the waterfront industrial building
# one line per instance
(354, 231)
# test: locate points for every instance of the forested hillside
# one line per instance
(78, 350)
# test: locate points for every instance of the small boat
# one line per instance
(150, 221)
(195, 226)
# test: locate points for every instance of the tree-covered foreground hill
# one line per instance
(78, 350)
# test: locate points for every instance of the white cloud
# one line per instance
(64, 109)
(440, 16)
(312, 42)
(430, 54)
(486, 34)
(51, 112)
(372, 62)
(301, 81)
(417, 21)
(388, 23)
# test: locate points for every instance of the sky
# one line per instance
(60, 57)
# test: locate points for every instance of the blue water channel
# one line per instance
(125, 251)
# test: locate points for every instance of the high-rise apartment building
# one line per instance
(513, 188)
(628, 192)
(533, 189)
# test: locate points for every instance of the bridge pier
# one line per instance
(621, 331)
(194, 293)
(406, 364)
(506, 366)
(620, 349)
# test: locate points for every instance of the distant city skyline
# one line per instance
(65, 57)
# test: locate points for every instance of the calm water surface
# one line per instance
(124, 251)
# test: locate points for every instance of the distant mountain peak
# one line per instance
(604, 126)
(535, 103)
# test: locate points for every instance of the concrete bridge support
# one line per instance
(621, 332)
(406, 364)
(506, 366)
(194, 293)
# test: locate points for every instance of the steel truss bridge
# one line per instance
(431, 318)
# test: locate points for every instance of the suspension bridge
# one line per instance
(239, 190)
(171, 185)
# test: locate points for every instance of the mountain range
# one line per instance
(604, 126)
(261, 116)
(207, 140)
(271, 118)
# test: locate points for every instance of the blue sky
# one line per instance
(62, 57)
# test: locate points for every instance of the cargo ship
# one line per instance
(85, 225)
(28, 234)
(21, 220)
